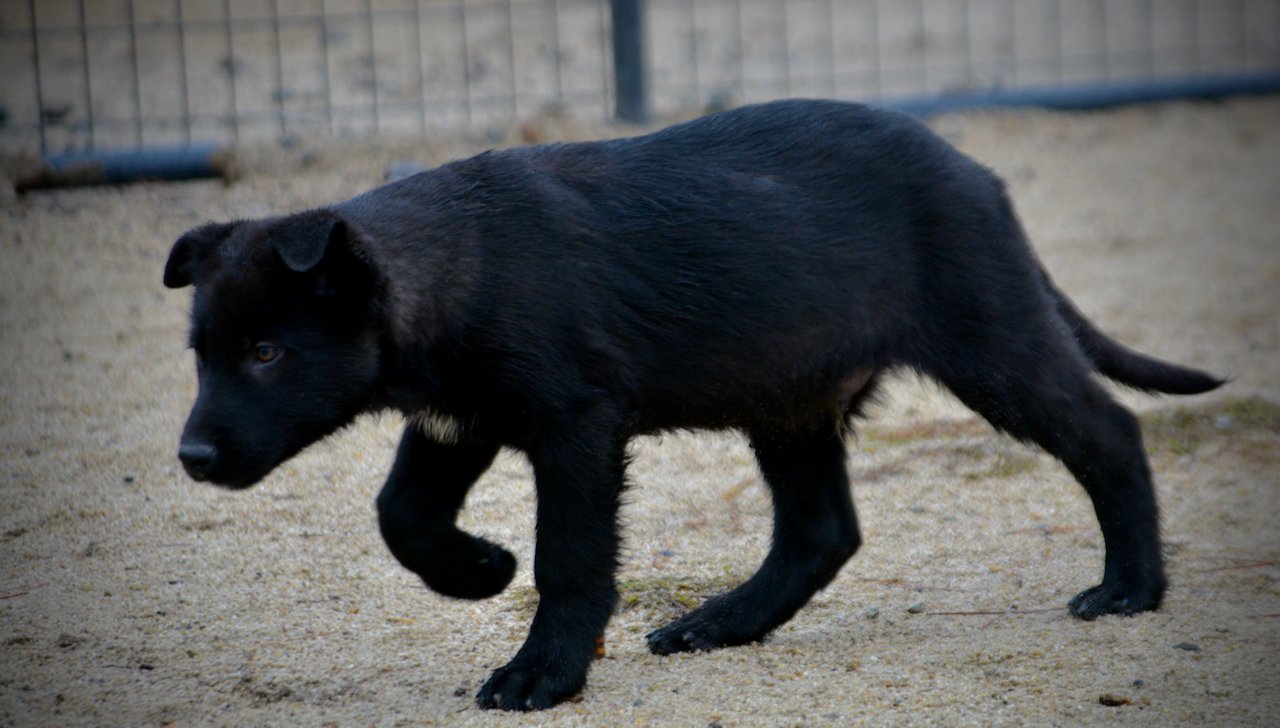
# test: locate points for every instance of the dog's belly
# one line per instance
(751, 405)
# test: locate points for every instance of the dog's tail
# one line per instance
(1119, 363)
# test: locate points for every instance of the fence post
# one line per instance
(628, 61)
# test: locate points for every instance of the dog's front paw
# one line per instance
(1115, 599)
(532, 682)
(450, 561)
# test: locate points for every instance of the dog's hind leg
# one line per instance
(417, 509)
(1037, 387)
(814, 533)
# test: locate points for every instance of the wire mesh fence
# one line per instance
(870, 49)
(95, 74)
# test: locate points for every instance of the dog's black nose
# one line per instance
(198, 458)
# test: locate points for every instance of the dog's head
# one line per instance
(282, 326)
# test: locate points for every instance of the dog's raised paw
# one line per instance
(471, 568)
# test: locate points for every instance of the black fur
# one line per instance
(757, 269)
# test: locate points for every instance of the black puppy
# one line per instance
(757, 269)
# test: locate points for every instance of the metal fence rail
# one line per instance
(120, 74)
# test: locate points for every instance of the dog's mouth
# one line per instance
(233, 483)
(228, 481)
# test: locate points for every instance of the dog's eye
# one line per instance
(265, 353)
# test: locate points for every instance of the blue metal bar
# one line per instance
(1094, 96)
(96, 167)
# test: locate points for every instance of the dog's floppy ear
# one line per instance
(303, 241)
(320, 243)
(192, 249)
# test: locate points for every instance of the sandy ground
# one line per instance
(131, 596)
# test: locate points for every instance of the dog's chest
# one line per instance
(438, 426)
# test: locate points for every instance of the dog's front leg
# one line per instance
(417, 509)
(579, 480)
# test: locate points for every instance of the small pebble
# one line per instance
(916, 608)
(872, 612)
(69, 641)
(1112, 700)
(1187, 646)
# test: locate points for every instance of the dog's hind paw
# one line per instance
(1113, 599)
(709, 627)
(676, 638)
